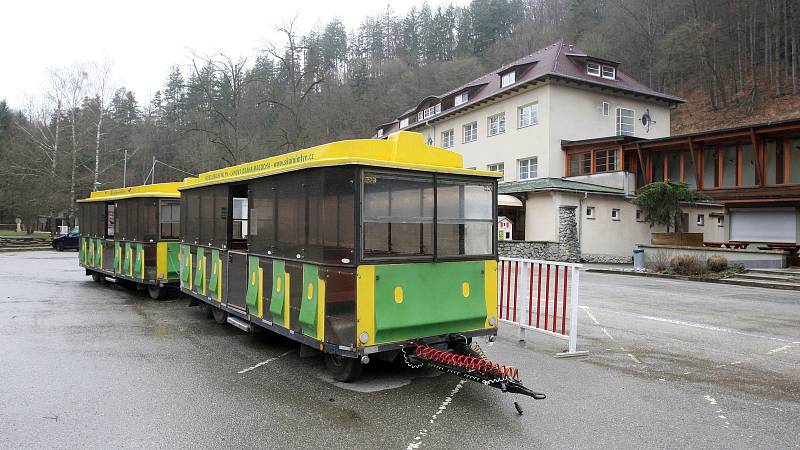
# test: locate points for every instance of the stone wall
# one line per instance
(607, 259)
(567, 249)
(569, 242)
(544, 250)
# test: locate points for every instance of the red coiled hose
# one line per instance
(466, 362)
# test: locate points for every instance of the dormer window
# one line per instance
(601, 70)
(461, 99)
(508, 79)
(380, 132)
(404, 122)
(429, 112)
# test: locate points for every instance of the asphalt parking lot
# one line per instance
(671, 364)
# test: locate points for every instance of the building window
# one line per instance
(528, 115)
(609, 72)
(720, 221)
(461, 98)
(593, 69)
(606, 109)
(497, 124)
(528, 168)
(448, 138)
(497, 167)
(470, 132)
(508, 79)
(701, 220)
(429, 112)
(404, 122)
(380, 132)
(625, 121)
(639, 217)
(590, 212)
(615, 214)
(605, 160)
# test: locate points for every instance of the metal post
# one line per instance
(573, 317)
(125, 169)
(153, 171)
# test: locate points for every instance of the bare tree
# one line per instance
(100, 84)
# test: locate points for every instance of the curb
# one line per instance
(688, 278)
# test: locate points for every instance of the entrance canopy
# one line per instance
(508, 200)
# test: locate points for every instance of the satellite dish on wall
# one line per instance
(647, 120)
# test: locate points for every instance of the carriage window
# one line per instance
(169, 219)
(110, 220)
(240, 218)
(464, 218)
(398, 216)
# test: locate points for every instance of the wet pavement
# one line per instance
(671, 364)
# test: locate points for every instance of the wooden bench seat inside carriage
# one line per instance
(357, 248)
(131, 234)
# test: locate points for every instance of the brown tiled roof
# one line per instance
(558, 60)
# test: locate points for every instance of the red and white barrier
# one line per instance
(541, 296)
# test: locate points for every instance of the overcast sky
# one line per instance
(144, 38)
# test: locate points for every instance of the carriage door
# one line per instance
(237, 243)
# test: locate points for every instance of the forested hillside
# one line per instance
(736, 61)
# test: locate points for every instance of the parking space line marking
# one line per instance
(705, 327)
(264, 362)
(780, 349)
(591, 316)
(608, 334)
(417, 441)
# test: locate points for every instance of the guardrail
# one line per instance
(542, 296)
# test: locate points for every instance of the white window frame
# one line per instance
(508, 79)
(496, 124)
(473, 134)
(639, 215)
(461, 99)
(497, 167)
(532, 115)
(720, 221)
(448, 143)
(615, 214)
(619, 128)
(612, 75)
(380, 132)
(590, 212)
(701, 220)
(606, 109)
(593, 69)
(532, 169)
(404, 122)
(429, 112)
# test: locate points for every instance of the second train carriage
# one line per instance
(355, 248)
(131, 234)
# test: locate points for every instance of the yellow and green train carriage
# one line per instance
(358, 248)
(132, 235)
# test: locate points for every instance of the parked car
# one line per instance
(67, 241)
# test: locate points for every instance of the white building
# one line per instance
(514, 120)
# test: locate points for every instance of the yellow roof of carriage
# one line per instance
(403, 150)
(158, 190)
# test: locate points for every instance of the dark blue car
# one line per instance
(67, 241)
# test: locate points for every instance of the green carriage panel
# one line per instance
(216, 276)
(200, 272)
(310, 301)
(253, 285)
(428, 299)
(279, 300)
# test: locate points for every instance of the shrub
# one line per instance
(659, 262)
(717, 263)
(687, 265)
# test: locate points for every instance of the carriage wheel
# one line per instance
(97, 278)
(156, 291)
(342, 368)
(220, 315)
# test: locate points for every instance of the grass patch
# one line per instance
(12, 233)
